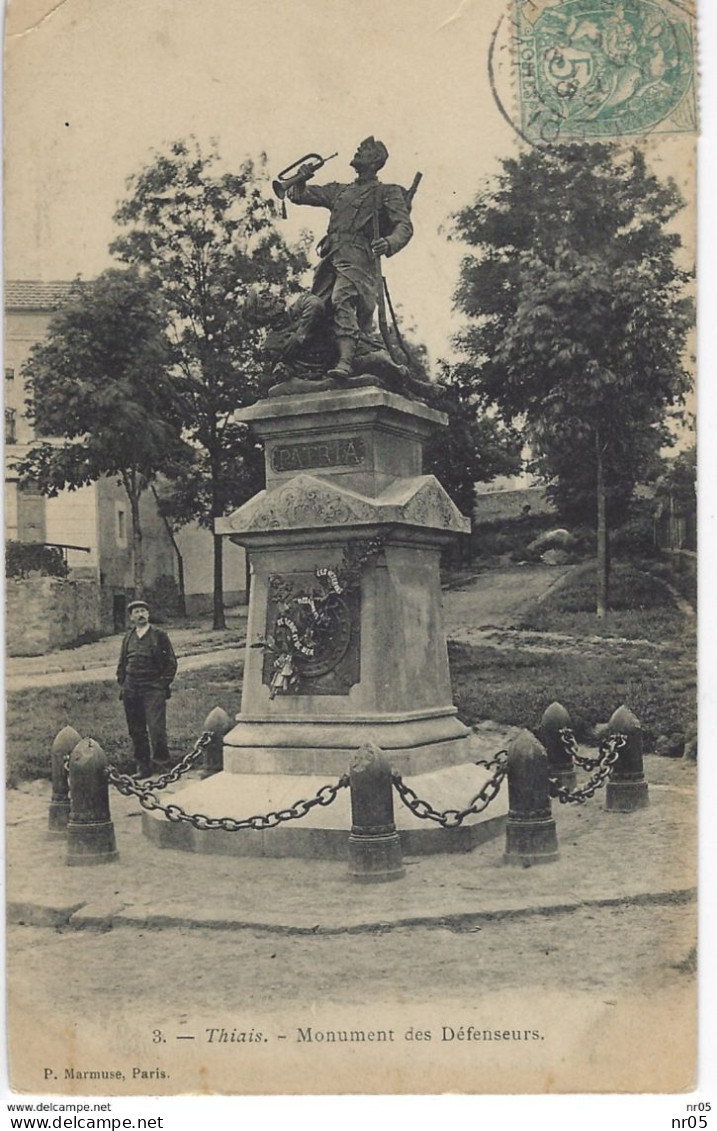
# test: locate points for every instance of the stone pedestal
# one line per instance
(64, 743)
(90, 831)
(346, 643)
(530, 832)
(627, 788)
(560, 761)
(374, 845)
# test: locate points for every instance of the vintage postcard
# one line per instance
(350, 466)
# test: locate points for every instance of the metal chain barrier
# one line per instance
(145, 795)
(492, 764)
(609, 752)
(452, 818)
(570, 746)
(126, 784)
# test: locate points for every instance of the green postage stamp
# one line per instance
(604, 68)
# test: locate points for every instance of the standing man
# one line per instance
(147, 666)
(368, 220)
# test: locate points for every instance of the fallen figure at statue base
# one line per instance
(402, 382)
(302, 348)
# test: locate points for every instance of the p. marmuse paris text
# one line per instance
(135, 1073)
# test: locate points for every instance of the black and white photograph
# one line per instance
(350, 392)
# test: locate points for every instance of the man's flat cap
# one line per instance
(137, 605)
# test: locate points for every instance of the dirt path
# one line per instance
(143, 1000)
(106, 673)
(492, 599)
(179, 1011)
(252, 968)
(551, 642)
(489, 599)
(187, 641)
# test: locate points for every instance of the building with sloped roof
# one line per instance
(33, 295)
(93, 523)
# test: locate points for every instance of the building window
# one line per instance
(10, 426)
(9, 374)
(121, 526)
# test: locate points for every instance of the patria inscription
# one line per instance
(339, 452)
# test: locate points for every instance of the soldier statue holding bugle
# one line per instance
(368, 220)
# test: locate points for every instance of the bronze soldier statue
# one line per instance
(302, 348)
(368, 219)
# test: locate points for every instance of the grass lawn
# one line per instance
(34, 716)
(509, 685)
(516, 685)
(641, 607)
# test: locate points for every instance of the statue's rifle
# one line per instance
(383, 292)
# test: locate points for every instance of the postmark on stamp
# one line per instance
(591, 69)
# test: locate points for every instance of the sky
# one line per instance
(93, 86)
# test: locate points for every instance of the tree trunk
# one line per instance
(180, 582)
(219, 618)
(602, 544)
(177, 553)
(137, 546)
(215, 468)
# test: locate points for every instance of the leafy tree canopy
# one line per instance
(679, 479)
(576, 305)
(99, 381)
(205, 238)
(476, 447)
(578, 314)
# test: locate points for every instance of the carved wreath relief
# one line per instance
(313, 627)
(312, 620)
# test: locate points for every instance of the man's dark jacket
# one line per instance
(162, 654)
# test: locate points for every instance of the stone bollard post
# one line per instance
(64, 743)
(560, 760)
(627, 789)
(219, 723)
(90, 832)
(530, 834)
(374, 845)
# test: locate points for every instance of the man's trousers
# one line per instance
(146, 713)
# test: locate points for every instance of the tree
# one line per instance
(676, 498)
(476, 447)
(679, 479)
(99, 381)
(578, 317)
(205, 238)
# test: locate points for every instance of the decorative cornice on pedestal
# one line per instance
(430, 505)
(340, 402)
(308, 502)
